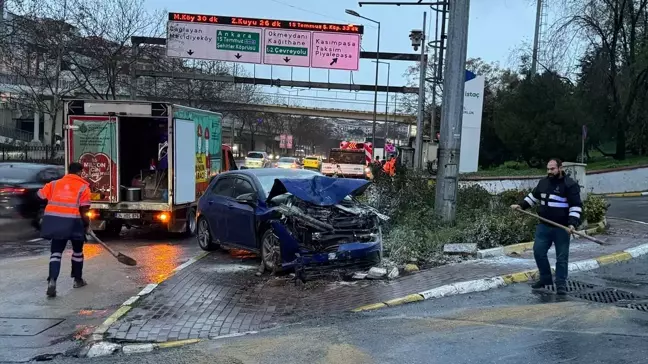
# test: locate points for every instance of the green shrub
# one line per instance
(594, 209)
(474, 197)
(515, 165)
(512, 197)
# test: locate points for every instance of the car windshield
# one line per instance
(286, 160)
(15, 174)
(347, 157)
(311, 158)
(255, 155)
(268, 180)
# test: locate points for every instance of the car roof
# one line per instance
(260, 172)
(27, 165)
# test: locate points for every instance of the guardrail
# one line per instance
(32, 154)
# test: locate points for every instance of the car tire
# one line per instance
(271, 252)
(204, 236)
(38, 219)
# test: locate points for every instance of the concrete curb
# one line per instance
(522, 247)
(626, 194)
(96, 346)
(484, 284)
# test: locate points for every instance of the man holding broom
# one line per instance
(558, 200)
(65, 218)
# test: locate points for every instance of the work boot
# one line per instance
(561, 290)
(51, 288)
(538, 285)
(78, 283)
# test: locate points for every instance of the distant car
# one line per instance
(288, 163)
(313, 162)
(291, 217)
(19, 183)
(257, 160)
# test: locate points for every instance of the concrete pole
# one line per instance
(36, 126)
(452, 111)
(536, 38)
(418, 149)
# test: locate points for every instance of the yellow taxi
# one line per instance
(313, 162)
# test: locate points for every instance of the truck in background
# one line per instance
(147, 162)
(351, 159)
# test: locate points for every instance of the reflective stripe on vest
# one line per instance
(67, 208)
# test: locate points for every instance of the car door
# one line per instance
(242, 229)
(215, 208)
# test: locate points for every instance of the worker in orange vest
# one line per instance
(390, 166)
(65, 218)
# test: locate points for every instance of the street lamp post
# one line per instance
(375, 105)
(386, 106)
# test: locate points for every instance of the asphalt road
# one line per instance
(75, 312)
(509, 325)
(635, 208)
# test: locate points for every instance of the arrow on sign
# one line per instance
(333, 61)
(190, 52)
(238, 55)
(286, 59)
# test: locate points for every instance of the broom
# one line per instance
(122, 258)
(563, 227)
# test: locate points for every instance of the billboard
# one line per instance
(471, 123)
(264, 41)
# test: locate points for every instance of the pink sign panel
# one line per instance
(335, 51)
(289, 141)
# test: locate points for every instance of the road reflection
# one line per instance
(158, 261)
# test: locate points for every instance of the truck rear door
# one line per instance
(184, 161)
(92, 141)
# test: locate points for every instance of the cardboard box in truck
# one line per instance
(147, 163)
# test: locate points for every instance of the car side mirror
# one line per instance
(248, 199)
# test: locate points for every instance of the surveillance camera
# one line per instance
(416, 36)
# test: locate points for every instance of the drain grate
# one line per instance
(636, 306)
(573, 286)
(609, 295)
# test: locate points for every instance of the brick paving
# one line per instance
(206, 302)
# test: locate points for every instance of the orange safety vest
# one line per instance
(65, 196)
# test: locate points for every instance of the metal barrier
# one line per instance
(32, 154)
(16, 134)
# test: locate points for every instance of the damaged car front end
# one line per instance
(318, 222)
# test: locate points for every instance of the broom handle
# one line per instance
(561, 226)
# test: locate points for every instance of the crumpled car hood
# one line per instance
(319, 190)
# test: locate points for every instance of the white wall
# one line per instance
(597, 182)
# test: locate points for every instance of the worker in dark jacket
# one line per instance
(558, 199)
(65, 218)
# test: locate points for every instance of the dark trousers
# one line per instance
(546, 235)
(58, 246)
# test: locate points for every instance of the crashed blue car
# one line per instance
(291, 218)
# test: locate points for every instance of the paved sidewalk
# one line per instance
(204, 302)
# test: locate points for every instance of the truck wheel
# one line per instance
(113, 229)
(271, 252)
(204, 236)
(192, 224)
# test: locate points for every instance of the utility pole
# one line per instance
(452, 111)
(536, 38)
(418, 148)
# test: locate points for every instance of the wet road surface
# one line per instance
(75, 312)
(509, 325)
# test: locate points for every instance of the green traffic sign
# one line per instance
(230, 40)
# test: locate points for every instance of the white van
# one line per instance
(257, 160)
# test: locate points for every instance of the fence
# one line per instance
(16, 134)
(32, 154)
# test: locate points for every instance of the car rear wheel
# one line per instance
(271, 252)
(205, 240)
(113, 229)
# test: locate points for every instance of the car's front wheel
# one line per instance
(204, 236)
(271, 251)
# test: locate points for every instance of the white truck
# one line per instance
(147, 162)
(349, 161)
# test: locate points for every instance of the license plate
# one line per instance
(127, 216)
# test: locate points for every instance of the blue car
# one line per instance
(293, 218)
